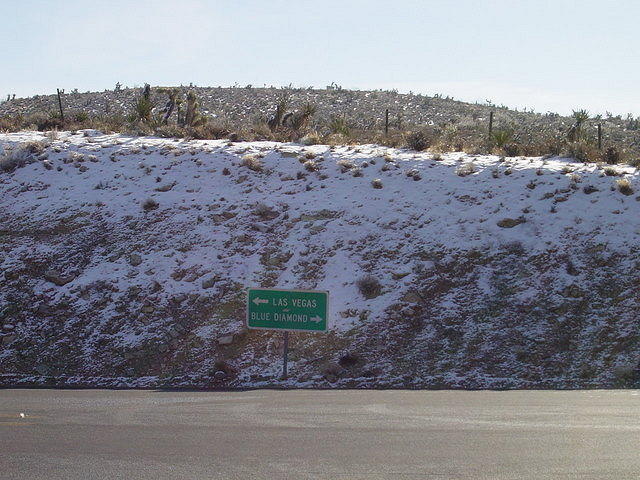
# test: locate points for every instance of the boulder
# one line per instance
(135, 259)
(225, 340)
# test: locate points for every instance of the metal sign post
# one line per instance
(285, 355)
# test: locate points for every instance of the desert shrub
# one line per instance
(348, 359)
(583, 151)
(624, 186)
(169, 131)
(43, 121)
(511, 149)
(466, 169)
(611, 155)
(80, 117)
(611, 172)
(626, 376)
(369, 286)
(501, 137)
(149, 204)
(339, 125)
(418, 141)
(24, 154)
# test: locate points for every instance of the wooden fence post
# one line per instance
(490, 124)
(599, 136)
(386, 122)
(60, 92)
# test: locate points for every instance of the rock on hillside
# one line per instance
(124, 262)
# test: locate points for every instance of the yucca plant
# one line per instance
(192, 117)
(144, 106)
(501, 137)
(281, 108)
(575, 133)
(339, 125)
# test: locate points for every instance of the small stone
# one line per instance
(260, 227)
(42, 369)
(226, 340)
(135, 259)
(165, 188)
(208, 282)
(7, 339)
(219, 375)
(411, 297)
(147, 309)
(57, 278)
(510, 222)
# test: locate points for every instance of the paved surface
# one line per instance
(319, 435)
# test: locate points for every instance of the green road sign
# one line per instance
(271, 309)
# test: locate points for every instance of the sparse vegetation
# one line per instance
(418, 141)
(369, 286)
(313, 117)
(338, 125)
(20, 156)
(150, 204)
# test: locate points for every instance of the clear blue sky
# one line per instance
(548, 55)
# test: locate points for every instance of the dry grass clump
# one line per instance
(21, 156)
(311, 166)
(466, 169)
(252, 162)
(345, 165)
(610, 172)
(624, 186)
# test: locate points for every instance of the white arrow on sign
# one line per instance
(258, 301)
(316, 319)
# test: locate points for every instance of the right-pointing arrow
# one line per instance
(316, 319)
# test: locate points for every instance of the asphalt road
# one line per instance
(97, 434)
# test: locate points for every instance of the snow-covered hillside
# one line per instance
(124, 261)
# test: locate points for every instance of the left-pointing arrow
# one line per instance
(258, 301)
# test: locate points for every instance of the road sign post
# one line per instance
(289, 311)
